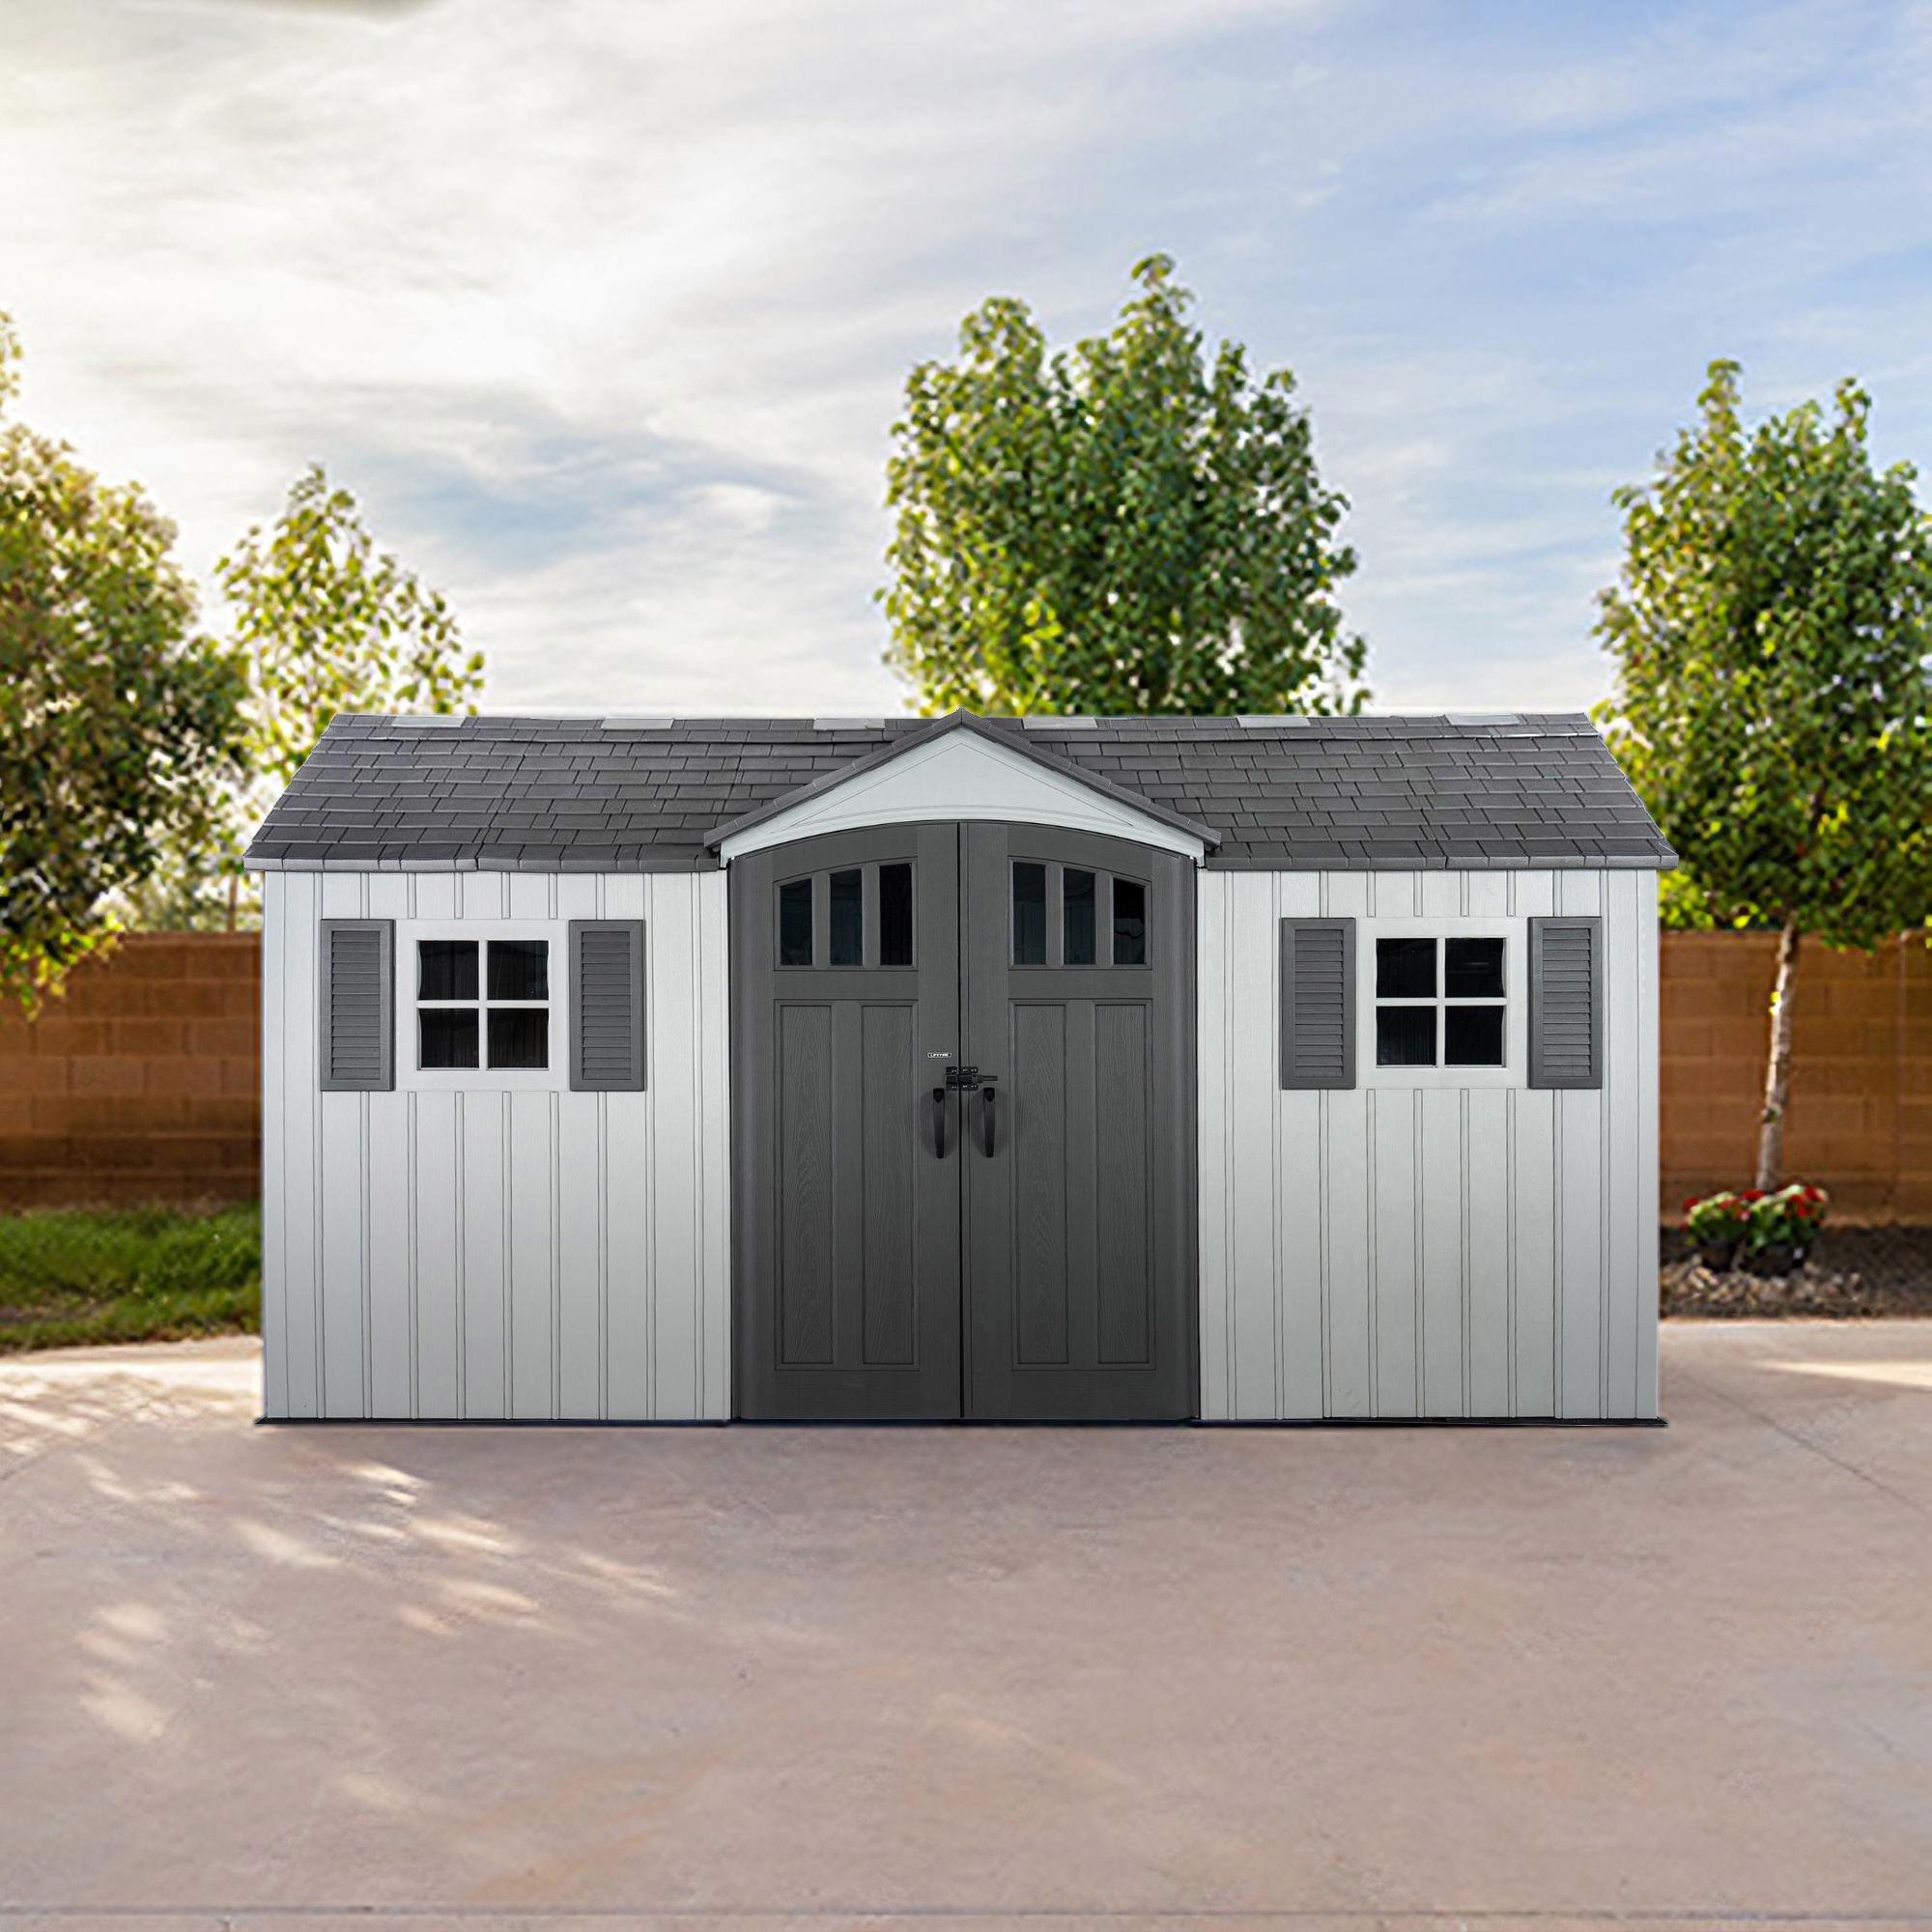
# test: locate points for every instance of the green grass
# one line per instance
(70, 1276)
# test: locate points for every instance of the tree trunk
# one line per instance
(1777, 1069)
(234, 893)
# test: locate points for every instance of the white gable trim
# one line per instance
(960, 775)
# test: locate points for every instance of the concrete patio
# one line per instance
(819, 1677)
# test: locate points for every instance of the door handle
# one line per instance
(939, 1122)
(986, 1115)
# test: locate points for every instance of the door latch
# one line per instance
(962, 1076)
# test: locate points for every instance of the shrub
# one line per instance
(1790, 1218)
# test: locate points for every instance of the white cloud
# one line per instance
(605, 310)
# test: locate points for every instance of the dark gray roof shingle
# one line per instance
(634, 794)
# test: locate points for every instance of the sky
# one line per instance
(604, 308)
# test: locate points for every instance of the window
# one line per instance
(856, 916)
(848, 917)
(482, 1002)
(795, 923)
(1068, 916)
(1440, 1002)
(1076, 902)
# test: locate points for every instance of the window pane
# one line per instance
(1404, 970)
(1405, 1036)
(1473, 1036)
(519, 1036)
(848, 918)
(1029, 915)
(449, 1033)
(519, 969)
(795, 923)
(447, 969)
(894, 915)
(1129, 923)
(1076, 904)
(1472, 969)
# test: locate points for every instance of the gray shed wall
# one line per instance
(1442, 1248)
(500, 1245)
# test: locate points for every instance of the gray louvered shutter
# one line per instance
(1566, 1003)
(606, 1005)
(1317, 1003)
(357, 991)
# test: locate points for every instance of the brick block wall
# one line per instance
(142, 1083)
(1861, 1117)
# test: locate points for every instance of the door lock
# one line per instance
(968, 1077)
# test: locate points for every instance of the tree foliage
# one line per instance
(1770, 637)
(331, 623)
(119, 722)
(1124, 527)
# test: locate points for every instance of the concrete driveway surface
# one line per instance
(777, 1678)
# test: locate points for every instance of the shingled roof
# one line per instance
(656, 794)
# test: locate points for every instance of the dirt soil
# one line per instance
(1853, 1272)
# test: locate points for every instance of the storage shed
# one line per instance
(1242, 1070)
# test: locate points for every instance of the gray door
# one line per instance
(963, 1127)
(844, 1018)
(1079, 1172)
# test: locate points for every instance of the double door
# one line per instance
(962, 1086)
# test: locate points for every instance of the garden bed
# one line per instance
(1854, 1274)
(70, 1276)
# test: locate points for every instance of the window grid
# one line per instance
(1061, 915)
(465, 1022)
(1441, 999)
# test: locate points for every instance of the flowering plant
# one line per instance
(1790, 1218)
(1721, 1220)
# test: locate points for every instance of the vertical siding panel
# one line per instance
(580, 1244)
(1645, 1256)
(1395, 1305)
(529, 896)
(389, 1337)
(1254, 1080)
(436, 894)
(1579, 1282)
(276, 922)
(1346, 1225)
(1440, 1198)
(630, 1276)
(483, 895)
(1580, 894)
(1344, 895)
(437, 1209)
(1488, 894)
(1299, 1190)
(1489, 1244)
(1442, 895)
(1534, 1195)
(339, 1258)
(675, 1072)
(302, 1120)
(714, 1178)
(577, 895)
(532, 1177)
(484, 1280)
(1535, 893)
(1211, 1056)
(1623, 1156)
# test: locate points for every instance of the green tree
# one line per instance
(324, 621)
(1770, 637)
(119, 722)
(331, 623)
(1124, 527)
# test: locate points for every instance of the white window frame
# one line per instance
(1515, 1069)
(413, 1077)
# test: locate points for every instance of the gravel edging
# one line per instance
(1856, 1274)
